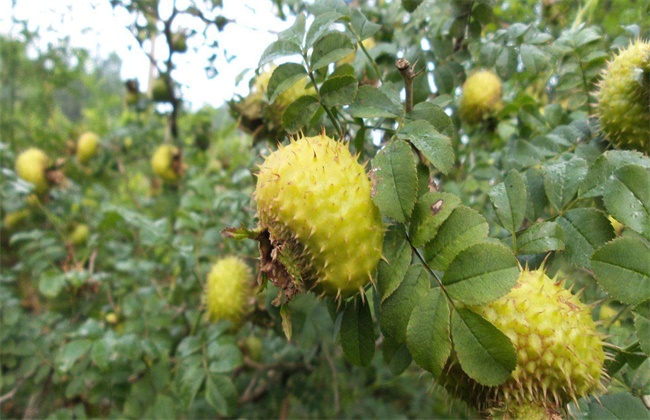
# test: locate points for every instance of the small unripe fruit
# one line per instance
(31, 165)
(314, 199)
(111, 318)
(227, 289)
(79, 235)
(481, 96)
(179, 42)
(160, 91)
(624, 98)
(166, 163)
(87, 147)
(560, 354)
(254, 347)
(13, 219)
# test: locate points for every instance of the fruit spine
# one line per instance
(624, 98)
(228, 286)
(481, 96)
(560, 354)
(314, 201)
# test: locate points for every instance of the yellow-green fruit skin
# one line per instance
(160, 92)
(314, 193)
(481, 96)
(13, 219)
(624, 98)
(228, 287)
(31, 165)
(559, 351)
(162, 163)
(87, 147)
(79, 235)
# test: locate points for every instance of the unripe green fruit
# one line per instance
(228, 287)
(31, 165)
(254, 347)
(560, 354)
(179, 42)
(131, 98)
(13, 219)
(165, 163)
(481, 96)
(87, 147)
(624, 98)
(525, 411)
(160, 92)
(314, 199)
(79, 235)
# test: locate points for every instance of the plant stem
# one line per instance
(408, 75)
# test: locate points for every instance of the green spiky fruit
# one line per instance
(559, 352)
(227, 289)
(313, 198)
(624, 98)
(525, 411)
(87, 146)
(79, 235)
(160, 91)
(481, 96)
(179, 42)
(31, 165)
(166, 163)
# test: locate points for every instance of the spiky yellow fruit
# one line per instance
(166, 163)
(560, 354)
(227, 289)
(313, 198)
(87, 146)
(525, 411)
(624, 98)
(481, 96)
(31, 165)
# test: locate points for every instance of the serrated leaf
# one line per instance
(396, 309)
(435, 115)
(485, 353)
(51, 284)
(431, 210)
(585, 230)
(561, 180)
(284, 76)
(482, 273)
(540, 238)
(370, 102)
(627, 198)
(362, 26)
(357, 333)
(434, 146)
(71, 352)
(299, 113)
(427, 333)
(605, 166)
(296, 33)
(642, 325)
(339, 90)
(226, 357)
(463, 228)
(279, 49)
(321, 25)
(509, 200)
(534, 58)
(618, 406)
(330, 48)
(221, 394)
(287, 327)
(395, 181)
(397, 258)
(536, 196)
(622, 268)
(396, 355)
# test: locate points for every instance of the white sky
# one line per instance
(94, 25)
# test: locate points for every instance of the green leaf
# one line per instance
(431, 210)
(296, 33)
(397, 258)
(278, 49)
(435, 115)
(481, 273)
(506, 63)
(330, 48)
(434, 146)
(51, 283)
(485, 353)
(618, 406)
(339, 90)
(622, 268)
(605, 166)
(463, 228)
(299, 113)
(396, 355)
(396, 309)
(537, 199)
(71, 352)
(357, 333)
(540, 238)
(284, 76)
(221, 394)
(534, 58)
(427, 333)
(585, 230)
(370, 102)
(321, 25)
(627, 198)
(642, 325)
(362, 26)
(509, 199)
(226, 357)
(287, 327)
(561, 181)
(395, 181)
